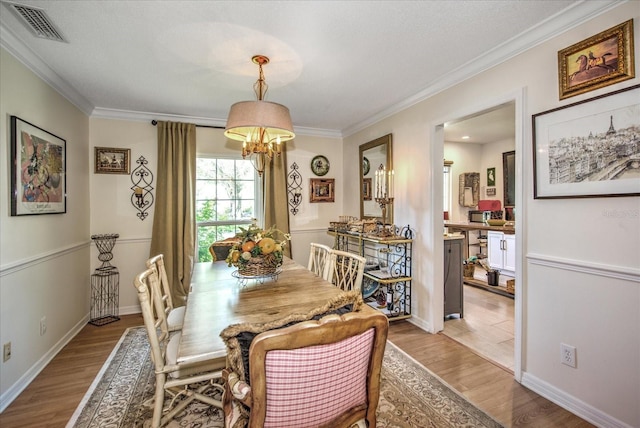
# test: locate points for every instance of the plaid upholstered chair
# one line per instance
(319, 255)
(317, 373)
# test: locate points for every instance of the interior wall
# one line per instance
(569, 268)
(43, 258)
(468, 157)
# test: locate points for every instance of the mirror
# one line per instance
(509, 180)
(372, 155)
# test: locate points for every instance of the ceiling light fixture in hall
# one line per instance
(262, 126)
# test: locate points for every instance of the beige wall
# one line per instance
(43, 258)
(578, 271)
(114, 213)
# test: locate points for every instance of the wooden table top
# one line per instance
(217, 300)
(508, 229)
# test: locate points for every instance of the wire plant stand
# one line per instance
(104, 283)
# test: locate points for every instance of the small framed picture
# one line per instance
(322, 190)
(110, 160)
(598, 61)
(366, 189)
(38, 170)
(491, 177)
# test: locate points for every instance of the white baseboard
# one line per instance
(14, 390)
(571, 403)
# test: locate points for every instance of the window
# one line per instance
(226, 198)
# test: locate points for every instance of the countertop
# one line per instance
(464, 225)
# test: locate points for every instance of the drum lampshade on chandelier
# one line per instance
(262, 126)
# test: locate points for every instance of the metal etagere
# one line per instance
(105, 283)
(387, 278)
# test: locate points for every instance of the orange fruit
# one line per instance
(248, 246)
(267, 245)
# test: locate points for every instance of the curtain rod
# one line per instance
(155, 122)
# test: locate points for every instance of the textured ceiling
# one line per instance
(335, 64)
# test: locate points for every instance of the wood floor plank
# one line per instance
(50, 400)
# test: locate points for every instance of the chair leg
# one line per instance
(158, 401)
(190, 396)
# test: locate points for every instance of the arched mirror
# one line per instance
(374, 154)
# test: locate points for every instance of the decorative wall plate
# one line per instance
(320, 165)
(365, 166)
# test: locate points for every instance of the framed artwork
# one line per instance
(491, 176)
(110, 160)
(320, 165)
(38, 170)
(322, 190)
(589, 148)
(366, 189)
(596, 62)
(491, 191)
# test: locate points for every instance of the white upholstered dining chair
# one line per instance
(319, 255)
(175, 316)
(189, 380)
(345, 270)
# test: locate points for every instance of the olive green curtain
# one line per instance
(274, 185)
(174, 227)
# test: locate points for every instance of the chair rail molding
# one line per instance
(29, 262)
(610, 271)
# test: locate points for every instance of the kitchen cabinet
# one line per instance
(453, 290)
(501, 251)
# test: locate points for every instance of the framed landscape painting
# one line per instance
(596, 62)
(589, 148)
(38, 170)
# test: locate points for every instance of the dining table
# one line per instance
(219, 297)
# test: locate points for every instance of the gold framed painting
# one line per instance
(601, 60)
(322, 190)
(366, 189)
(110, 160)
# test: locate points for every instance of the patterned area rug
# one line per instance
(411, 396)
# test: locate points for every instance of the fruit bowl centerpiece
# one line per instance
(258, 252)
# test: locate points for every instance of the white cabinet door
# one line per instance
(494, 249)
(509, 247)
(502, 251)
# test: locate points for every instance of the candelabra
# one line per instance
(383, 202)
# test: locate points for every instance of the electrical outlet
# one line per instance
(6, 352)
(43, 326)
(568, 355)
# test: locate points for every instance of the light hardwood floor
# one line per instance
(487, 326)
(50, 400)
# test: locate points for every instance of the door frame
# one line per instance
(437, 154)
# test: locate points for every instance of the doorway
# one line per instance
(475, 143)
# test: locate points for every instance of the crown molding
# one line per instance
(138, 116)
(26, 56)
(553, 26)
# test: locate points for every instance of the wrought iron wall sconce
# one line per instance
(142, 178)
(294, 188)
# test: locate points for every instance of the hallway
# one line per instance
(487, 327)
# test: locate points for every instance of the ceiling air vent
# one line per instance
(37, 21)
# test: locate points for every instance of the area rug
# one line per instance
(411, 396)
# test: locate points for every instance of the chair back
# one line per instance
(165, 287)
(323, 373)
(345, 270)
(155, 321)
(319, 255)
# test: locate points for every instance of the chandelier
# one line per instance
(262, 126)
